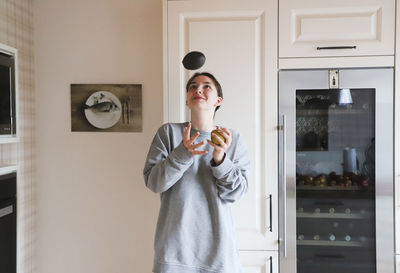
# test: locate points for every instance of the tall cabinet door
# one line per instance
(238, 39)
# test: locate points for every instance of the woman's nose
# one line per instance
(199, 90)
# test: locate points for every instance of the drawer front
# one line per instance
(259, 261)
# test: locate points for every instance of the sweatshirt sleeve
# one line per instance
(232, 174)
(163, 167)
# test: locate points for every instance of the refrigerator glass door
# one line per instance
(336, 172)
(335, 180)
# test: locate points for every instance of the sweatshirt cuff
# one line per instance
(222, 169)
(181, 154)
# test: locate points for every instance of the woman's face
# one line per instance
(202, 94)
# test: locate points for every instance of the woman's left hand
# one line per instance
(220, 149)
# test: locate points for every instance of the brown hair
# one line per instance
(214, 80)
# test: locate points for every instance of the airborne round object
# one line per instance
(194, 60)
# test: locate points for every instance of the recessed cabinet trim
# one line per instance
(304, 21)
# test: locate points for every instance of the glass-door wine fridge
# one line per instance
(336, 171)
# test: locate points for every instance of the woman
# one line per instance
(197, 180)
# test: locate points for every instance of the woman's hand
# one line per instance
(220, 149)
(188, 142)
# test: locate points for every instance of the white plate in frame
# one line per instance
(103, 120)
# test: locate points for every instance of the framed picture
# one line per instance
(106, 107)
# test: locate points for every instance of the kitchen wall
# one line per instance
(94, 212)
(16, 30)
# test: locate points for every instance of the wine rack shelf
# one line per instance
(329, 188)
(326, 112)
(331, 215)
(329, 243)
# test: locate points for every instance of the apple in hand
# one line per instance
(214, 139)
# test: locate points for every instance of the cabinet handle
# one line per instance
(335, 47)
(268, 203)
(6, 211)
(270, 264)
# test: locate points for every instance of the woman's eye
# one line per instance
(192, 87)
(207, 86)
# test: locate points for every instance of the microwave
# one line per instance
(7, 95)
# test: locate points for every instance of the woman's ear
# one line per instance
(219, 102)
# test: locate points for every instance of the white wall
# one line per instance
(94, 213)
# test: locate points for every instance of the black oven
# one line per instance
(7, 95)
(8, 223)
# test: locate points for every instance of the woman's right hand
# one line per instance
(188, 141)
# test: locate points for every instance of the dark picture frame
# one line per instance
(106, 108)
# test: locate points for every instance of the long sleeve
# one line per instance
(232, 174)
(163, 167)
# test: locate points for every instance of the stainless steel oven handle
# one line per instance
(284, 185)
(6, 211)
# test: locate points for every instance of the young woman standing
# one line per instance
(197, 180)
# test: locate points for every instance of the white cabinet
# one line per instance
(238, 39)
(322, 28)
(259, 261)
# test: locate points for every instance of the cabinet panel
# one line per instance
(259, 261)
(315, 28)
(241, 67)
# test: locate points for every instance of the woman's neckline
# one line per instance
(196, 130)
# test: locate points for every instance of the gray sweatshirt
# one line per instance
(195, 230)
